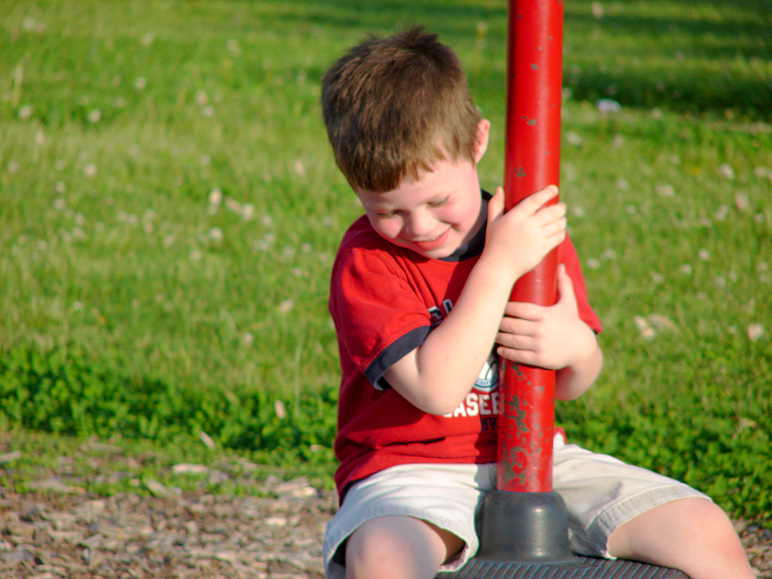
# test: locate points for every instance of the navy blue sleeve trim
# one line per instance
(393, 353)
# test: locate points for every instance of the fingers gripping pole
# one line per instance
(532, 161)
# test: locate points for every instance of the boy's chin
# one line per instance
(439, 253)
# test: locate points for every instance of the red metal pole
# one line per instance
(532, 161)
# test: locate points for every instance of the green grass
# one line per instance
(134, 307)
(43, 463)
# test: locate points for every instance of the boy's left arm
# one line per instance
(553, 337)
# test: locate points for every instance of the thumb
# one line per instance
(496, 205)
(566, 293)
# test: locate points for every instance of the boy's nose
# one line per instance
(419, 224)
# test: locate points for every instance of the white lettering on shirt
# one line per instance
(471, 404)
(477, 404)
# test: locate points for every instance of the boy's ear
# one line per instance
(481, 144)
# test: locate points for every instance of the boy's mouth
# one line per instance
(430, 244)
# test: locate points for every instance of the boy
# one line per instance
(419, 296)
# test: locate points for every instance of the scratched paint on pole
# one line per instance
(525, 455)
(532, 161)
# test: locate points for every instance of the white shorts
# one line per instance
(601, 493)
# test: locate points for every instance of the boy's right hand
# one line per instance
(516, 241)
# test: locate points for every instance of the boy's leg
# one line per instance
(693, 535)
(616, 509)
(398, 547)
(408, 516)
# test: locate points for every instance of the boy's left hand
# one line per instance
(551, 337)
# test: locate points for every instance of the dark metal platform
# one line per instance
(582, 568)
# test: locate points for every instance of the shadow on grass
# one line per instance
(692, 65)
(714, 62)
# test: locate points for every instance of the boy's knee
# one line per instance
(706, 516)
(393, 547)
(692, 534)
(718, 550)
(716, 524)
(371, 547)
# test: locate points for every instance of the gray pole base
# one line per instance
(525, 536)
(524, 528)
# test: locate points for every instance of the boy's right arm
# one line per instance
(436, 376)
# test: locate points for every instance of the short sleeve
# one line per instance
(567, 255)
(378, 313)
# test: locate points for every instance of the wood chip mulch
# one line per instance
(75, 536)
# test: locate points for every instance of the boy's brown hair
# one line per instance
(394, 106)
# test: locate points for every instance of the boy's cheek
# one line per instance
(389, 231)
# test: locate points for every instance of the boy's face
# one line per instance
(435, 214)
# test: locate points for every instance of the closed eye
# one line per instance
(439, 202)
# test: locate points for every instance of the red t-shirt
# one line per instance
(385, 300)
